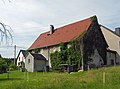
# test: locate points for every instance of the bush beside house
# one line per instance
(3, 65)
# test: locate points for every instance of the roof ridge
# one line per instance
(76, 22)
(92, 17)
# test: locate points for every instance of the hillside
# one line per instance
(93, 79)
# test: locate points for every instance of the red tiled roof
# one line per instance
(62, 34)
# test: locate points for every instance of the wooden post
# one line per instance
(103, 77)
(8, 75)
(27, 76)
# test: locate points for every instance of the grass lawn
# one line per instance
(103, 78)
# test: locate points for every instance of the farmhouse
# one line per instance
(113, 40)
(21, 58)
(91, 41)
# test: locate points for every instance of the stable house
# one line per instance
(93, 43)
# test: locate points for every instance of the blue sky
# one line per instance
(29, 18)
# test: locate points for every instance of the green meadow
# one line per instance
(103, 78)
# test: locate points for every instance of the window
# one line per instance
(68, 46)
(18, 63)
(59, 49)
(54, 49)
(19, 58)
(28, 61)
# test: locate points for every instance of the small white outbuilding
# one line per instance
(35, 62)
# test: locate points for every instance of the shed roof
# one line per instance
(38, 56)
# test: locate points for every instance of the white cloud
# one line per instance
(29, 18)
(29, 27)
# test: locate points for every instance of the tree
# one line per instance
(6, 0)
(7, 37)
(5, 34)
(3, 65)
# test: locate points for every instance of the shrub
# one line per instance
(13, 66)
(24, 69)
(11, 69)
(3, 66)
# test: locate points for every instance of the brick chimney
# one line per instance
(51, 29)
(117, 31)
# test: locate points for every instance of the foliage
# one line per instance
(37, 50)
(71, 55)
(55, 60)
(13, 66)
(3, 66)
(93, 18)
(11, 69)
(92, 40)
(9, 61)
(5, 34)
(4, 1)
(24, 69)
(74, 52)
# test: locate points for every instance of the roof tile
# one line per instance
(62, 34)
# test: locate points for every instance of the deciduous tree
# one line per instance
(5, 36)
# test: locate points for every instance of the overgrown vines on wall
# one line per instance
(37, 50)
(71, 55)
(94, 40)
